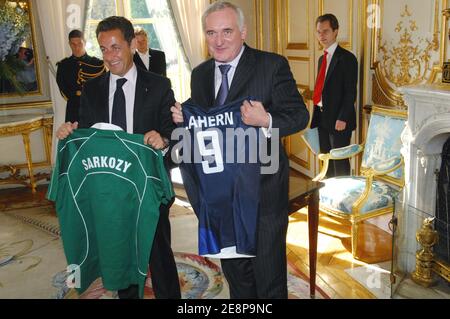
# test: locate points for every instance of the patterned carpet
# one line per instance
(33, 265)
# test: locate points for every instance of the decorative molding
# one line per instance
(402, 63)
(379, 95)
(445, 32)
(259, 34)
(348, 44)
(298, 58)
(405, 63)
(303, 163)
(303, 88)
(301, 45)
(29, 105)
(299, 161)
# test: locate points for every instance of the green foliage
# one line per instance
(8, 71)
(14, 27)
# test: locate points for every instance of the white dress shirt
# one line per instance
(129, 89)
(145, 57)
(230, 75)
(330, 51)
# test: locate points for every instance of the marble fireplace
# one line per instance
(428, 128)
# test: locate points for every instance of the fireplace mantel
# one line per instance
(428, 127)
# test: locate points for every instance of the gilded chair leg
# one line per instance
(354, 238)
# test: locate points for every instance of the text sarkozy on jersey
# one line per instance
(213, 148)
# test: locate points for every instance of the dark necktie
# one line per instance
(320, 80)
(223, 90)
(119, 115)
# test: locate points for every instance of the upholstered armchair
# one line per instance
(371, 193)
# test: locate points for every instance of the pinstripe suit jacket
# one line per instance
(267, 78)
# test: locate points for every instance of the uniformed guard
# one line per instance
(74, 71)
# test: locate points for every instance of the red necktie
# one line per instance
(320, 80)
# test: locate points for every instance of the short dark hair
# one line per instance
(116, 23)
(331, 18)
(76, 34)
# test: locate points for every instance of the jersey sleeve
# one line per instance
(52, 191)
(166, 184)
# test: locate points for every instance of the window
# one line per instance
(156, 18)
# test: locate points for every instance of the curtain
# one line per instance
(57, 19)
(164, 27)
(188, 18)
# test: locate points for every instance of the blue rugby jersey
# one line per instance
(223, 193)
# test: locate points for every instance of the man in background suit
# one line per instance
(148, 98)
(277, 105)
(334, 94)
(74, 71)
(147, 58)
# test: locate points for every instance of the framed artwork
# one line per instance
(23, 65)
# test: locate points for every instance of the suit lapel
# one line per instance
(334, 61)
(104, 99)
(209, 82)
(242, 75)
(150, 60)
(139, 99)
(138, 61)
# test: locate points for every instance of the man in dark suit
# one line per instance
(334, 94)
(277, 105)
(74, 71)
(147, 58)
(148, 97)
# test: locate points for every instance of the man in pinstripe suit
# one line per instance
(277, 105)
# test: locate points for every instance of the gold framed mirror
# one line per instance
(23, 71)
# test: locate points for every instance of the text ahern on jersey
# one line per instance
(224, 119)
(106, 162)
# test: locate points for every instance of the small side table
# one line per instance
(24, 124)
(306, 193)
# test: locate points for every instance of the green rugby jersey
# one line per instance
(108, 187)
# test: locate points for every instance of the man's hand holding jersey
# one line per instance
(66, 129)
(254, 114)
(177, 114)
(155, 140)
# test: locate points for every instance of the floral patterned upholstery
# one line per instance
(340, 193)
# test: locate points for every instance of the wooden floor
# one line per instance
(13, 198)
(333, 246)
(334, 252)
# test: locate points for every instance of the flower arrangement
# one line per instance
(14, 27)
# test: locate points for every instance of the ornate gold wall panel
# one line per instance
(254, 14)
(378, 96)
(343, 10)
(445, 36)
(294, 37)
(405, 48)
(297, 24)
(299, 152)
